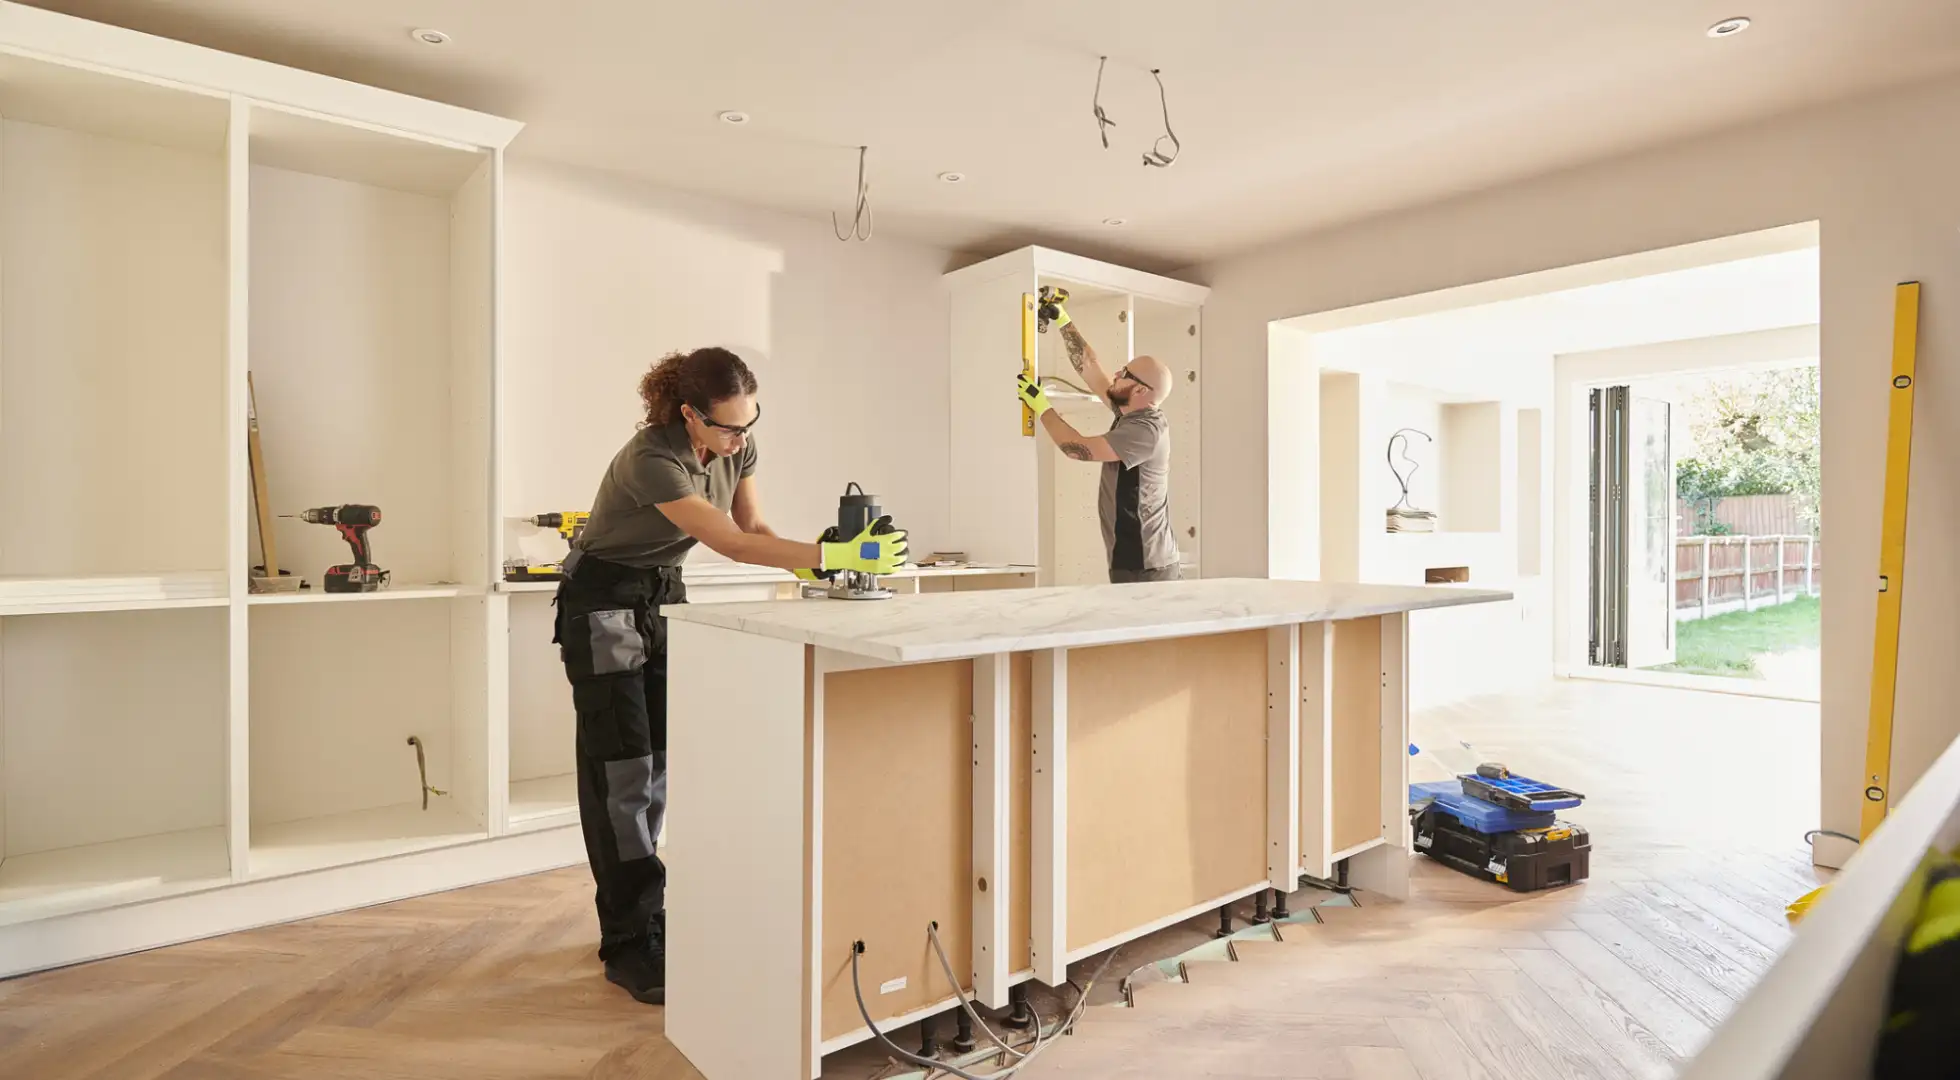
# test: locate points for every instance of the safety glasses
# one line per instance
(729, 428)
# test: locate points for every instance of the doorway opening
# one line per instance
(1704, 555)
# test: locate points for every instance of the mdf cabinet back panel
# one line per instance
(897, 837)
(1166, 778)
(112, 355)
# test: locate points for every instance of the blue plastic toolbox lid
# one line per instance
(1475, 813)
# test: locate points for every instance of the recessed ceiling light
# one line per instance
(430, 37)
(734, 117)
(1116, 222)
(1728, 28)
(952, 177)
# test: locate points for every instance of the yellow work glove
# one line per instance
(879, 549)
(816, 575)
(1032, 395)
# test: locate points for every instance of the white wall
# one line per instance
(604, 276)
(1881, 174)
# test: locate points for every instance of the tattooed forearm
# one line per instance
(1075, 450)
(1079, 352)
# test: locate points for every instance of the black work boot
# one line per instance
(642, 972)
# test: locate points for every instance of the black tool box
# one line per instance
(1524, 860)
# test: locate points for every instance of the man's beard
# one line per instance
(1118, 396)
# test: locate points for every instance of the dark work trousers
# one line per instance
(614, 644)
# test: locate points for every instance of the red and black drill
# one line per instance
(353, 520)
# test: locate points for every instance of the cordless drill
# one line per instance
(1051, 298)
(353, 520)
(569, 523)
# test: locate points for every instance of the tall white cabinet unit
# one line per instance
(1015, 499)
(180, 756)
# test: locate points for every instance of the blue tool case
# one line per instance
(1519, 793)
(1447, 797)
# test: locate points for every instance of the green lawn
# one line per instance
(1729, 644)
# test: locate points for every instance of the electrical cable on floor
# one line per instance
(1811, 836)
(1040, 1043)
(857, 989)
(932, 932)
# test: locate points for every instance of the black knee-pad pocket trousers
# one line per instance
(614, 646)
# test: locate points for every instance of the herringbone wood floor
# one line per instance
(1696, 803)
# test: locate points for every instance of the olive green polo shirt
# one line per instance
(657, 465)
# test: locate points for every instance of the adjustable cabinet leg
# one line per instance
(928, 1046)
(1259, 909)
(963, 1036)
(1280, 911)
(1021, 1018)
(1225, 921)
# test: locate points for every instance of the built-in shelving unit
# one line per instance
(172, 221)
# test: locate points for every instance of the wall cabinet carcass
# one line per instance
(1015, 499)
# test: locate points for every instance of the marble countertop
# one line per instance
(947, 626)
(727, 573)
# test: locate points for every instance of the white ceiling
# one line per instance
(1294, 114)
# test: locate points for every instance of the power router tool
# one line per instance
(854, 514)
(569, 523)
(353, 520)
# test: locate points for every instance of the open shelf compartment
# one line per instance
(371, 313)
(113, 751)
(337, 691)
(543, 724)
(113, 315)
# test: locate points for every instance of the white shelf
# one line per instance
(407, 592)
(544, 803)
(111, 592)
(96, 876)
(294, 847)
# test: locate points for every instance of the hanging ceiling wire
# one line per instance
(861, 214)
(1103, 122)
(1156, 155)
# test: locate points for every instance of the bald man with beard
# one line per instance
(1135, 454)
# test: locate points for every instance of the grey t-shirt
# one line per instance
(657, 465)
(1135, 500)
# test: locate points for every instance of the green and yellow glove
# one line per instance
(819, 575)
(879, 549)
(1032, 395)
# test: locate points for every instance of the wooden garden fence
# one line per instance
(1727, 572)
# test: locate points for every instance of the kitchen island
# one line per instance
(1040, 774)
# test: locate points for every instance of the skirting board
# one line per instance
(93, 935)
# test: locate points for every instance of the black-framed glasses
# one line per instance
(729, 428)
(1126, 373)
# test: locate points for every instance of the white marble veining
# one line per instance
(945, 626)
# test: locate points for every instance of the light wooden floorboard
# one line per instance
(1619, 978)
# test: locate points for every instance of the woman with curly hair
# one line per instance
(687, 476)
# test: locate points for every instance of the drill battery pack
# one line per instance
(1522, 860)
(354, 578)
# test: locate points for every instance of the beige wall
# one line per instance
(1881, 174)
(603, 276)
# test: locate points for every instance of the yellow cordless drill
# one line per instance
(569, 524)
